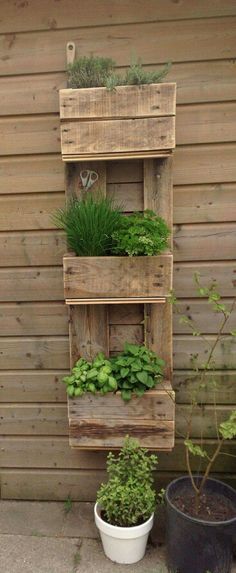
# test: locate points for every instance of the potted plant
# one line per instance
(125, 504)
(109, 397)
(201, 511)
(114, 257)
(105, 115)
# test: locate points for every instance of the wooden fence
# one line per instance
(198, 36)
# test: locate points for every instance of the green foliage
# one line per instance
(195, 449)
(92, 71)
(95, 71)
(141, 234)
(68, 504)
(89, 224)
(227, 429)
(136, 370)
(136, 75)
(128, 498)
(95, 376)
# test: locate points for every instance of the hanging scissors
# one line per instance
(88, 178)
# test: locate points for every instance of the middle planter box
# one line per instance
(96, 280)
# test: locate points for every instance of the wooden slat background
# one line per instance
(198, 36)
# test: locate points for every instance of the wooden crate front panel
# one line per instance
(152, 100)
(102, 422)
(117, 136)
(128, 120)
(117, 277)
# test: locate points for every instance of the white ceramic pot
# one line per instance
(123, 544)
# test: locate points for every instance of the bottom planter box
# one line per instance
(101, 422)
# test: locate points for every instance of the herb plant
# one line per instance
(89, 224)
(136, 370)
(225, 430)
(92, 71)
(140, 234)
(95, 71)
(128, 498)
(95, 376)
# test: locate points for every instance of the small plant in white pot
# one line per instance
(125, 504)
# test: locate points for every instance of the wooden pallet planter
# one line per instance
(94, 280)
(102, 422)
(128, 122)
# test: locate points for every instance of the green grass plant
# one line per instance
(89, 224)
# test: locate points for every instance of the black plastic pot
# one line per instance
(195, 545)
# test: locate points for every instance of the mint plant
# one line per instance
(128, 498)
(136, 370)
(226, 430)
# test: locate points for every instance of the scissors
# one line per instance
(88, 178)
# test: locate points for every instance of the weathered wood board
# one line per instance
(127, 121)
(117, 277)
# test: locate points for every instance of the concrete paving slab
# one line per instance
(27, 554)
(79, 521)
(31, 517)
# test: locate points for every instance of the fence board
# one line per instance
(31, 452)
(32, 16)
(46, 283)
(45, 52)
(205, 203)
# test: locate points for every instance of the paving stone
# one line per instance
(31, 517)
(79, 521)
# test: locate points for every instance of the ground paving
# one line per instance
(52, 537)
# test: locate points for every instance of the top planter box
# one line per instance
(128, 122)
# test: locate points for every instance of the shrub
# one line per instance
(128, 498)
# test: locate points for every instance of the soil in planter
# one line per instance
(212, 506)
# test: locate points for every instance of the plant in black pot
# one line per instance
(201, 511)
(126, 503)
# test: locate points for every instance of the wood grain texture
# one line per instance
(154, 100)
(197, 82)
(111, 277)
(47, 52)
(31, 16)
(210, 203)
(89, 332)
(116, 137)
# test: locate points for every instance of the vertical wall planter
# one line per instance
(96, 125)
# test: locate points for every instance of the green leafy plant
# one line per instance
(128, 498)
(95, 71)
(202, 373)
(141, 234)
(136, 370)
(95, 376)
(89, 224)
(91, 71)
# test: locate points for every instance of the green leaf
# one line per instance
(195, 449)
(126, 395)
(233, 332)
(124, 372)
(227, 429)
(132, 348)
(142, 377)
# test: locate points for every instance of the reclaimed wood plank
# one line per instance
(29, 135)
(204, 164)
(205, 242)
(32, 174)
(116, 136)
(26, 213)
(111, 277)
(32, 386)
(154, 100)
